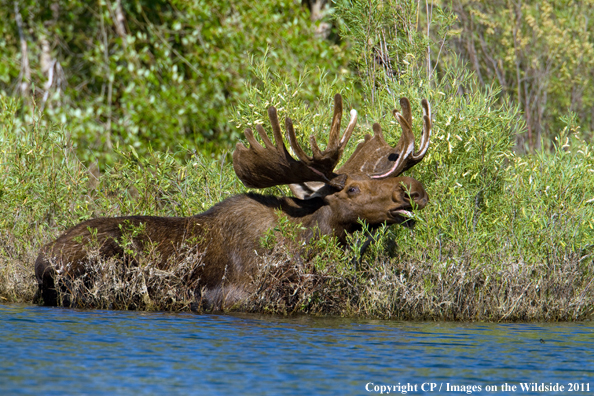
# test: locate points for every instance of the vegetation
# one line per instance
(505, 236)
(149, 73)
(540, 54)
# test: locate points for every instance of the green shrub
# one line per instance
(45, 189)
(170, 79)
(539, 53)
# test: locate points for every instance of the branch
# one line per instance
(25, 68)
(119, 21)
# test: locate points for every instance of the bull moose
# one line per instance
(327, 201)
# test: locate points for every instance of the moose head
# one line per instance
(367, 187)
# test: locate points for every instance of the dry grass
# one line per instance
(287, 284)
(461, 290)
(561, 289)
(134, 283)
(17, 275)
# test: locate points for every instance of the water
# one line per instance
(52, 351)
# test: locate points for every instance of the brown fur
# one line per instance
(228, 234)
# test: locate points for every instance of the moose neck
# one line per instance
(315, 214)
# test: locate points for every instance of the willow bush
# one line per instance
(539, 53)
(45, 188)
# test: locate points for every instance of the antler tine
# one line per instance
(349, 129)
(249, 135)
(336, 144)
(406, 111)
(333, 139)
(377, 159)
(262, 134)
(406, 143)
(418, 156)
(315, 149)
(276, 129)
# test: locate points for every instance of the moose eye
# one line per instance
(353, 190)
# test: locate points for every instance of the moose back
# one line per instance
(367, 187)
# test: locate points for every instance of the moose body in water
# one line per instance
(367, 187)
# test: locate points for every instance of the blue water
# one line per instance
(53, 351)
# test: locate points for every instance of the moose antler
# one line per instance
(376, 158)
(260, 167)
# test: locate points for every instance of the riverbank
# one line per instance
(512, 241)
(402, 288)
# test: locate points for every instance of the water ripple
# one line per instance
(59, 351)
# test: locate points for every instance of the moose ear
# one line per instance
(309, 190)
(306, 190)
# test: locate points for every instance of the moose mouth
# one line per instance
(403, 217)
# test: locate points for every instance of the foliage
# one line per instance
(45, 188)
(540, 54)
(151, 73)
(164, 73)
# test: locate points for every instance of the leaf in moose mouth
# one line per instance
(403, 213)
